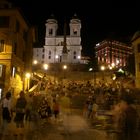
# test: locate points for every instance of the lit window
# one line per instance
(13, 72)
(0, 70)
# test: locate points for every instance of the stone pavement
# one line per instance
(73, 127)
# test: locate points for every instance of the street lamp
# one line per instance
(94, 74)
(35, 62)
(102, 69)
(56, 58)
(28, 75)
(79, 58)
(64, 68)
(45, 66)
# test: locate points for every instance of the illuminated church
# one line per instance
(60, 48)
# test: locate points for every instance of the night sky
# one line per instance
(100, 19)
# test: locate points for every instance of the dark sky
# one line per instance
(100, 19)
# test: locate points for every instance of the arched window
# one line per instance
(49, 52)
(50, 31)
(74, 55)
(49, 55)
(43, 56)
(74, 31)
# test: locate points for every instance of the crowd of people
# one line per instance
(56, 99)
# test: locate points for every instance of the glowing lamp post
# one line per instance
(102, 69)
(28, 75)
(35, 62)
(64, 68)
(79, 58)
(56, 58)
(45, 66)
(94, 74)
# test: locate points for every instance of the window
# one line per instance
(15, 48)
(6, 6)
(1, 45)
(74, 55)
(49, 52)
(49, 55)
(2, 70)
(17, 26)
(75, 32)
(4, 21)
(43, 56)
(50, 31)
(43, 50)
(138, 48)
(74, 52)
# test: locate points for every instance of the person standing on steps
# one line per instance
(20, 109)
(6, 111)
(56, 109)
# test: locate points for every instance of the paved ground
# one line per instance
(73, 127)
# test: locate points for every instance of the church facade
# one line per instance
(60, 48)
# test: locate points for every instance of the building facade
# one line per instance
(60, 48)
(112, 53)
(16, 44)
(136, 48)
